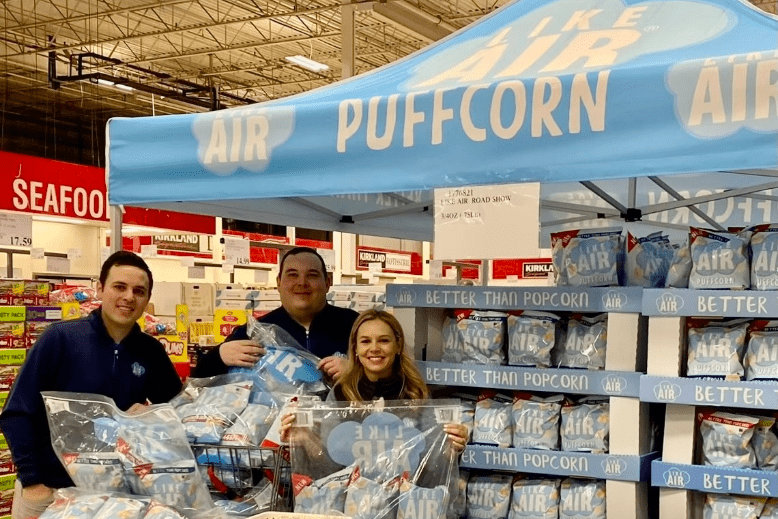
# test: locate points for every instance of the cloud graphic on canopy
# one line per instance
(380, 456)
(647, 28)
(241, 138)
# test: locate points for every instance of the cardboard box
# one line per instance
(12, 335)
(11, 292)
(236, 293)
(13, 314)
(12, 356)
(7, 377)
(338, 295)
(225, 321)
(267, 306)
(270, 294)
(48, 314)
(165, 296)
(342, 304)
(363, 297)
(233, 304)
(36, 293)
(199, 298)
(200, 327)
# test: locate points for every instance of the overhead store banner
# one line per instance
(540, 90)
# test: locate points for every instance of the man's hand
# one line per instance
(333, 366)
(38, 492)
(137, 408)
(242, 353)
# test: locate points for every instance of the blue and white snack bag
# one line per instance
(99, 471)
(324, 496)
(648, 260)
(680, 267)
(765, 444)
(117, 507)
(214, 411)
(493, 420)
(251, 426)
(422, 503)
(162, 511)
(488, 496)
(531, 337)
(535, 498)
(582, 499)
(286, 367)
(761, 358)
(585, 343)
(764, 257)
(366, 499)
(728, 506)
(719, 260)
(715, 349)
(535, 421)
(726, 439)
(558, 242)
(586, 425)
(74, 503)
(594, 258)
(452, 347)
(481, 335)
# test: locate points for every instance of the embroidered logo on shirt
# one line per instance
(138, 370)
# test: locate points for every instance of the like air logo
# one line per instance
(676, 478)
(614, 385)
(613, 300)
(667, 391)
(614, 466)
(669, 304)
(406, 297)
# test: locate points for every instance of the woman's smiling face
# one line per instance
(377, 348)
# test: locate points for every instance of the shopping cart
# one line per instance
(237, 471)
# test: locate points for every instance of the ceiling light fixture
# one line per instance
(124, 87)
(105, 82)
(306, 63)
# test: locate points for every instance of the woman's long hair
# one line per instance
(413, 383)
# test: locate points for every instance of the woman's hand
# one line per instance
(457, 434)
(287, 422)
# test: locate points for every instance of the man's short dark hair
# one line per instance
(121, 258)
(302, 250)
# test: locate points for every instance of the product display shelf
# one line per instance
(676, 474)
(421, 311)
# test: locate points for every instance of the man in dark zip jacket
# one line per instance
(318, 326)
(105, 353)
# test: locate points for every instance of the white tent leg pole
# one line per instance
(347, 51)
(116, 228)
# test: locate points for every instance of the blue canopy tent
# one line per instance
(555, 91)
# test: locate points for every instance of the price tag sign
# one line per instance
(436, 269)
(74, 253)
(196, 272)
(148, 251)
(328, 255)
(488, 222)
(236, 251)
(58, 265)
(15, 229)
(37, 253)
(187, 261)
(261, 276)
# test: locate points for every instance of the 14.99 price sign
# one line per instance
(15, 229)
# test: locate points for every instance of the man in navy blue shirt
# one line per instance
(319, 327)
(105, 353)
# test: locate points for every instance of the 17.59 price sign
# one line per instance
(16, 230)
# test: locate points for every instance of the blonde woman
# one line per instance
(380, 367)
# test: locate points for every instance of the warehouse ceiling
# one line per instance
(67, 66)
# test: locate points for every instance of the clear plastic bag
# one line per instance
(285, 367)
(395, 451)
(151, 448)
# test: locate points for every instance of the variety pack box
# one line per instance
(225, 321)
(6, 494)
(12, 320)
(6, 463)
(11, 292)
(38, 319)
(7, 376)
(36, 293)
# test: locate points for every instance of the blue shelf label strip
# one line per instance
(689, 391)
(703, 303)
(714, 479)
(608, 383)
(600, 466)
(574, 299)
